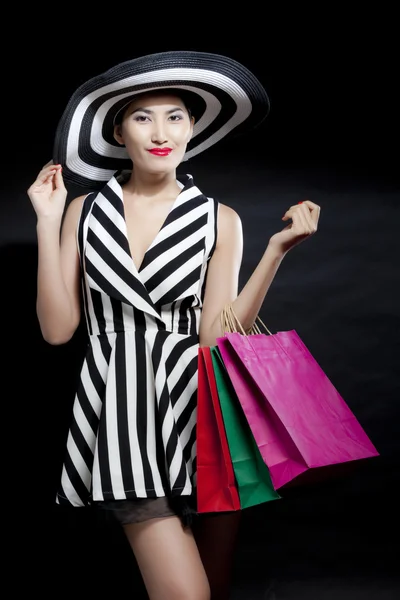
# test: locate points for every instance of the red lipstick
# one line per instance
(160, 151)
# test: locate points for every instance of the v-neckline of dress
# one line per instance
(164, 224)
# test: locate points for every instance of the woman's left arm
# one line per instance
(224, 267)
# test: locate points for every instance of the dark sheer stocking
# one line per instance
(216, 537)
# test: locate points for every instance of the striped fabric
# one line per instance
(133, 431)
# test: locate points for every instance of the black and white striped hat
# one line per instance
(228, 98)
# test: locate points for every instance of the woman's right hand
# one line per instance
(48, 193)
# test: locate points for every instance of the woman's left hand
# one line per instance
(305, 217)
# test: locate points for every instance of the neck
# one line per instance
(150, 184)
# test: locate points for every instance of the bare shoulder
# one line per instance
(73, 212)
(229, 222)
(227, 212)
(75, 205)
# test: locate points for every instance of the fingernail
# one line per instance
(301, 202)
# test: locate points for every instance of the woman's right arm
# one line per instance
(58, 298)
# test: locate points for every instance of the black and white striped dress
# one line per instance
(133, 429)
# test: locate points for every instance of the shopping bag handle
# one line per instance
(230, 322)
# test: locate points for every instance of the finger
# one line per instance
(290, 211)
(315, 210)
(59, 181)
(300, 219)
(46, 171)
(50, 167)
(300, 222)
(309, 209)
(308, 218)
(45, 176)
(311, 204)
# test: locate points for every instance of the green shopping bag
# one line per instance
(251, 472)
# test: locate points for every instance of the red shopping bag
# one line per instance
(298, 418)
(216, 484)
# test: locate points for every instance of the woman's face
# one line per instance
(155, 130)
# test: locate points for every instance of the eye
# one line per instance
(141, 118)
(176, 117)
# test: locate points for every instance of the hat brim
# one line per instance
(230, 98)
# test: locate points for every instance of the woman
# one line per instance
(151, 261)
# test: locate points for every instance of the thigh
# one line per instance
(216, 537)
(168, 559)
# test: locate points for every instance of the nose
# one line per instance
(158, 134)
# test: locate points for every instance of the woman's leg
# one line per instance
(216, 536)
(168, 559)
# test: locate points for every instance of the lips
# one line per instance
(160, 151)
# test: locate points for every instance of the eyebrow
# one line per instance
(149, 112)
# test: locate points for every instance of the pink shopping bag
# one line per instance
(297, 416)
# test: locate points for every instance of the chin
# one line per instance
(164, 166)
(161, 170)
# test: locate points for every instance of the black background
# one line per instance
(332, 137)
